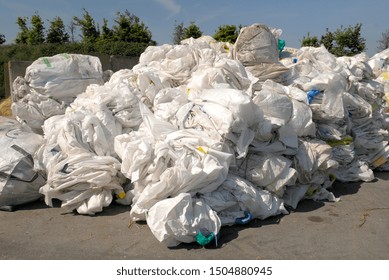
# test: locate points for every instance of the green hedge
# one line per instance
(31, 53)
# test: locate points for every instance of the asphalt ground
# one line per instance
(355, 228)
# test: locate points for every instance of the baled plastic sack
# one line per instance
(64, 76)
(223, 73)
(223, 114)
(184, 162)
(19, 182)
(379, 64)
(357, 66)
(167, 102)
(237, 201)
(355, 171)
(269, 171)
(274, 103)
(51, 84)
(78, 158)
(256, 47)
(34, 108)
(256, 44)
(165, 161)
(311, 63)
(183, 219)
(293, 117)
(84, 182)
(315, 168)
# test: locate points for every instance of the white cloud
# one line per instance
(170, 5)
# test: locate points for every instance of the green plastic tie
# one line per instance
(47, 62)
(204, 240)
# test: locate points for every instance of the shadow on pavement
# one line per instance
(340, 189)
(382, 175)
(229, 233)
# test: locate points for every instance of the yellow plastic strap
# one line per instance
(121, 195)
(385, 76)
(311, 191)
(379, 161)
(201, 150)
(344, 141)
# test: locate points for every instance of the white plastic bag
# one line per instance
(237, 201)
(19, 182)
(51, 84)
(183, 219)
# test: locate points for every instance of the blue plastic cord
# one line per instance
(244, 220)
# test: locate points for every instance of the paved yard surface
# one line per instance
(356, 227)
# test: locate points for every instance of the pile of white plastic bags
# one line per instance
(206, 134)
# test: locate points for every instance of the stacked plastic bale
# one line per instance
(328, 82)
(50, 85)
(365, 103)
(379, 64)
(83, 170)
(183, 150)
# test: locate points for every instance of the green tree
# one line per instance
(309, 41)
(129, 28)
(106, 32)
(89, 29)
(226, 33)
(2, 39)
(383, 42)
(57, 33)
(178, 33)
(21, 37)
(192, 31)
(342, 42)
(72, 29)
(36, 34)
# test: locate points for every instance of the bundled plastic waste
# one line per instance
(51, 84)
(205, 134)
(19, 182)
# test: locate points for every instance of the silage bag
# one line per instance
(19, 183)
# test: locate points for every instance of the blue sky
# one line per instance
(295, 18)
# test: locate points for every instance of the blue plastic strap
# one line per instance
(244, 220)
(311, 94)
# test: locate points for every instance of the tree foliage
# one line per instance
(2, 39)
(192, 31)
(226, 33)
(310, 41)
(178, 32)
(21, 37)
(129, 28)
(342, 42)
(89, 29)
(57, 33)
(106, 32)
(383, 42)
(36, 34)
